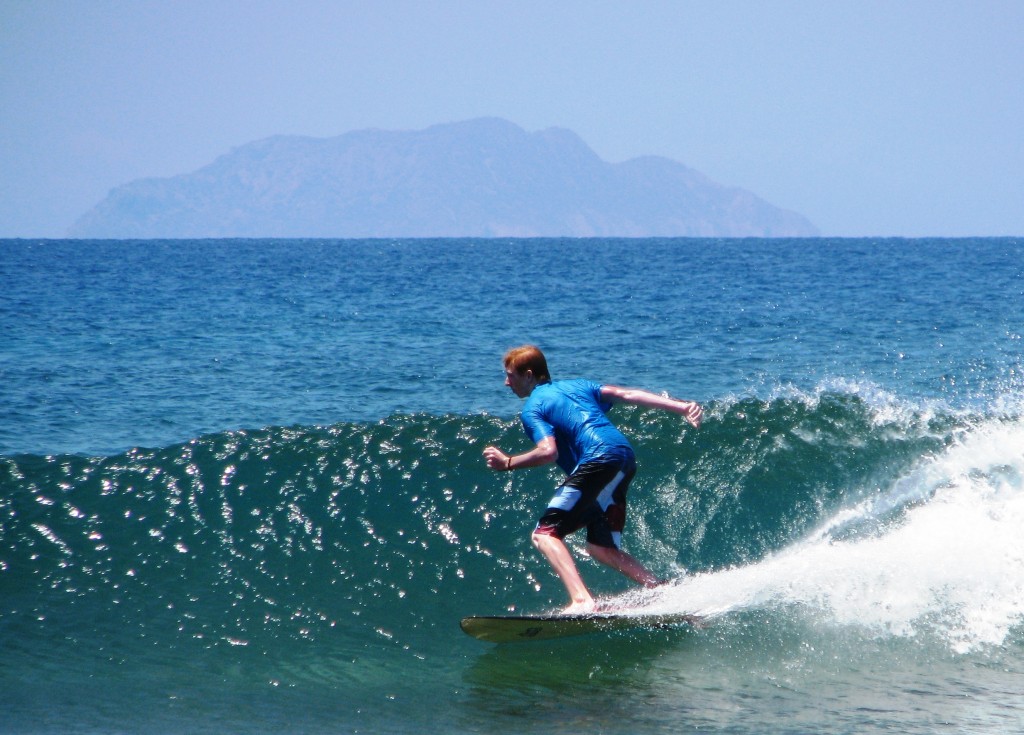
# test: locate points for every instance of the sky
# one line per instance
(869, 117)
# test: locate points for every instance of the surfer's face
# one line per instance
(522, 384)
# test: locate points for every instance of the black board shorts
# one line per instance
(594, 497)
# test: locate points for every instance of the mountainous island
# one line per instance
(479, 178)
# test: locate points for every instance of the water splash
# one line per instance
(939, 550)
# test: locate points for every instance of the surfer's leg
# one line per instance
(571, 508)
(604, 533)
(626, 564)
(558, 555)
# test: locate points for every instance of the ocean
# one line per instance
(242, 489)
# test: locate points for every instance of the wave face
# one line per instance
(868, 511)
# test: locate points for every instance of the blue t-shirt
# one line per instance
(572, 411)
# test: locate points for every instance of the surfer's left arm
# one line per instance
(690, 410)
(545, 452)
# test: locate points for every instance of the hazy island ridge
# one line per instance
(479, 178)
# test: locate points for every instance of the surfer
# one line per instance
(567, 422)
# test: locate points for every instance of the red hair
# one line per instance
(528, 357)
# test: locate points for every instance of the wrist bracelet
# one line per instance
(508, 464)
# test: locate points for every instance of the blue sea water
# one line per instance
(241, 485)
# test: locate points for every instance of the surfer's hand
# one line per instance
(694, 414)
(496, 459)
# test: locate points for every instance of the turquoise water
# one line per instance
(241, 487)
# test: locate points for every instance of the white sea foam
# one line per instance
(942, 548)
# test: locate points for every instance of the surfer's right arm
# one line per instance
(544, 453)
(690, 410)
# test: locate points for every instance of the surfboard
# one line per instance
(519, 628)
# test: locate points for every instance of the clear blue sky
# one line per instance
(870, 117)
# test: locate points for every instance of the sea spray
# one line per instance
(938, 551)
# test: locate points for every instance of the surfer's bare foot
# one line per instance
(580, 608)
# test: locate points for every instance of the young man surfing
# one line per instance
(567, 422)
